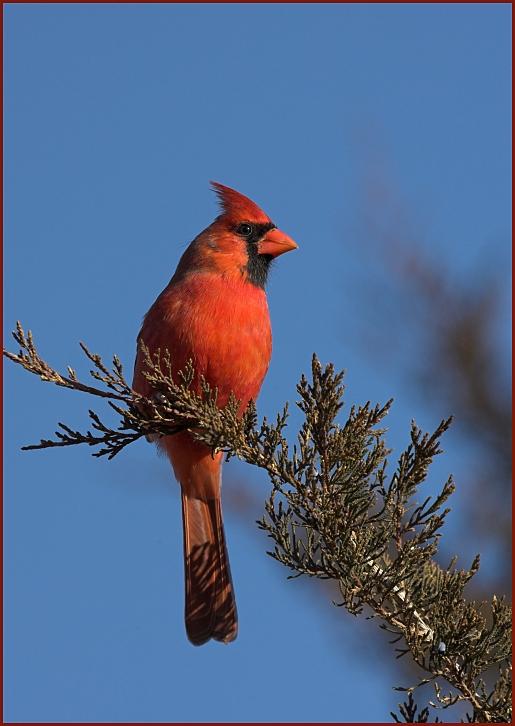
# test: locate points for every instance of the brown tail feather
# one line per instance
(210, 605)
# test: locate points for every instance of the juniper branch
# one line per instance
(333, 512)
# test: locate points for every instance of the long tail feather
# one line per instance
(210, 604)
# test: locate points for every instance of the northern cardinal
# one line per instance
(214, 311)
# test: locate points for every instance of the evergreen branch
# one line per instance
(29, 358)
(333, 512)
(410, 713)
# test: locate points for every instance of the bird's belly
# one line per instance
(230, 343)
(240, 364)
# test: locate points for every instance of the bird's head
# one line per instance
(242, 241)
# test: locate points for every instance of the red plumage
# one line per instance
(215, 313)
(237, 207)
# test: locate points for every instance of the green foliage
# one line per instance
(334, 512)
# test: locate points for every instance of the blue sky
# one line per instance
(116, 117)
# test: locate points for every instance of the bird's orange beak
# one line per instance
(276, 243)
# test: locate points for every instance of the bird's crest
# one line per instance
(237, 206)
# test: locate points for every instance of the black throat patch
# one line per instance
(258, 266)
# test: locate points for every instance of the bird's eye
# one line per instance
(245, 229)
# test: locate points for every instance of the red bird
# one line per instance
(214, 311)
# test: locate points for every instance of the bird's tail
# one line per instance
(210, 605)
